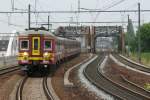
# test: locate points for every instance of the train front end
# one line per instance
(36, 51)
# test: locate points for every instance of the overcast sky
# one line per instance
(10, 22)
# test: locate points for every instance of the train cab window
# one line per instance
(47, 44)
(24, 44)
(35, 44)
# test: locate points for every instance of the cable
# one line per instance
(111, 6)
(15, 8)
(42, 8)
(22, 5)
(36, 14)
(26, 10)
(86, 22)
(12, 24)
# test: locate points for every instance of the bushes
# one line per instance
(147, 86)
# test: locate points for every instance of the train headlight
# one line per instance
(45, 54)
(25, 54)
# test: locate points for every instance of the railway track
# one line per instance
(93, 74)
(46, 90)
(20, 88)
(135, 90)
(131, 64)
(9, 69)
(136, 87)
(19, 94)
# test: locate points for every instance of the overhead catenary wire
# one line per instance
(36, 15)
(14, 8)
(35, 10)
(84, 22)
(62, 12)
(111, 6)
(26, 10)
(18, 2)
(94, 11)
(12, 24)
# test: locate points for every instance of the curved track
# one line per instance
(99, 80)
(46, 90)
(20, 88)
(131, 64)
(19, 94)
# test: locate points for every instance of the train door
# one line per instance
(36, 46)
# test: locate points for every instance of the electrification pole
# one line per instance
(139, 37)
(128, 49)
(13, 5)
(29, 16)
(48, 23)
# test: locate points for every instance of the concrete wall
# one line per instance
(8, 61)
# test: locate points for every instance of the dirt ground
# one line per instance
(7, 84)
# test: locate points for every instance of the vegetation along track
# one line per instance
(19, 94)
(99, 80)
(131, 64)
(9, 69)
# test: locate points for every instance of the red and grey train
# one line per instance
(43, 50)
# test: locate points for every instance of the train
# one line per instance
(42, 50)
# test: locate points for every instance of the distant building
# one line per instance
(8, 44)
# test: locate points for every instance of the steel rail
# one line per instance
(147, 93)
(20, 88)
(9, 69)
(131, 64)
(97, 85)
(121, 86)
(108, 86)
(46, 89)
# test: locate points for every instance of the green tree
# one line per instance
(145, 37)
(130, 36)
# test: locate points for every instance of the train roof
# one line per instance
(35, 32)
(26, 33)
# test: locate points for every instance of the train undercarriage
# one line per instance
(38, 70)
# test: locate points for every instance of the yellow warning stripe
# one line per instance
(31, 58)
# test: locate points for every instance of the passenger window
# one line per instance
(47, 44)
(24, 45)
